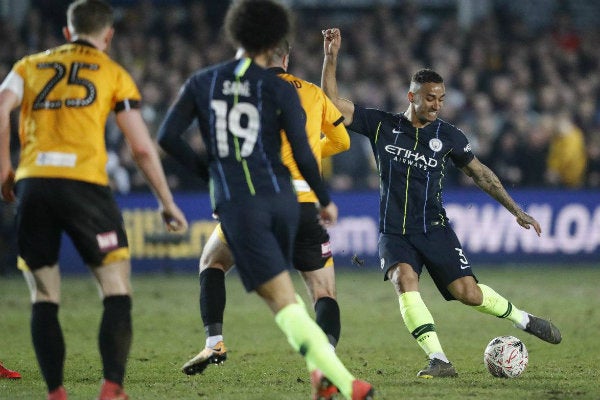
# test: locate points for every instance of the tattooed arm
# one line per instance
(487, 181)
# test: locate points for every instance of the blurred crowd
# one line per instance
(526, 97)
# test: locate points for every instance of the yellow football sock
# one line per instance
(306, 337)
(494, 304)
(419, 322)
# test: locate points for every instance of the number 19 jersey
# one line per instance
(241, 108)
(68, 92)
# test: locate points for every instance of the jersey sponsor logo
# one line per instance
(410, 157)
(56, 159)
(236, 88)
(435, 144)
(326, 249)
(301, 185)
(107, 241)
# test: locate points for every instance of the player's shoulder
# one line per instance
(447, 127)
(35, 58)
(202, 78)
(378, 114)
(448, 132)
(297, 81)
(72, 52)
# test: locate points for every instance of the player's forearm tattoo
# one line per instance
(487, 180)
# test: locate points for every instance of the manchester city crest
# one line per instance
(435, 144)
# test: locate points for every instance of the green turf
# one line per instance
(375, 344)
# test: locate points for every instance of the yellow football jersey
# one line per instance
(326, 133)
(68, 92)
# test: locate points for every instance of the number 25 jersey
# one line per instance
(68, 92)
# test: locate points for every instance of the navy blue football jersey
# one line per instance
(241, 109)
(411, 163)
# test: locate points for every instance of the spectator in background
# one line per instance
(567, 157)
(532, 153)
(551, 59)
(593, 175)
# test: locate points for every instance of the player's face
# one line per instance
(428, 100)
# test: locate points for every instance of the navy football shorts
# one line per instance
(438, 250)
(260, 232)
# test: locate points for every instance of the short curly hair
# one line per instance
(257, 25)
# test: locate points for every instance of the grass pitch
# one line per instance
(375, 344)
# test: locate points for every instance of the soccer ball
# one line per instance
(506, 357)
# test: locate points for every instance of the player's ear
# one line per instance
(411, 97)
(286, 61)
(66, 33)
(110, 33)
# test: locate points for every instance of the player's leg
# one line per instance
(305, 336)
(46, 332)
(38, 237)
(93, 221)
(404, 266)
(261, 239)
(116, 329)
(320, 284)
(486, 300)
(455, 279)
(313, 259)
(216, 260)
(419, 321)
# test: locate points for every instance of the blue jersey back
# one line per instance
(412, 163)
(241, 109)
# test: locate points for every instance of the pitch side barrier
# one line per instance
(570, 223)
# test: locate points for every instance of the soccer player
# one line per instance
(241, 108)
(312, 251)
(65, 95)
(412, 151)
(7, 373)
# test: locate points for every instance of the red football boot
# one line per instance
(7, 373)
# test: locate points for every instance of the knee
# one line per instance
(203, 266)
(323, 292)
(404, 278)
(321, 288)
(469, 295)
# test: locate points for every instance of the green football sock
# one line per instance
(419, 322)
(494, 304)
(308, 339)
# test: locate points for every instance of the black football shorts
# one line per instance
(86, 212)
(312, 250)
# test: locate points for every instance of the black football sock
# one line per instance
(327, 314)
(115, 336)
(48, 342)
(212, 300)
